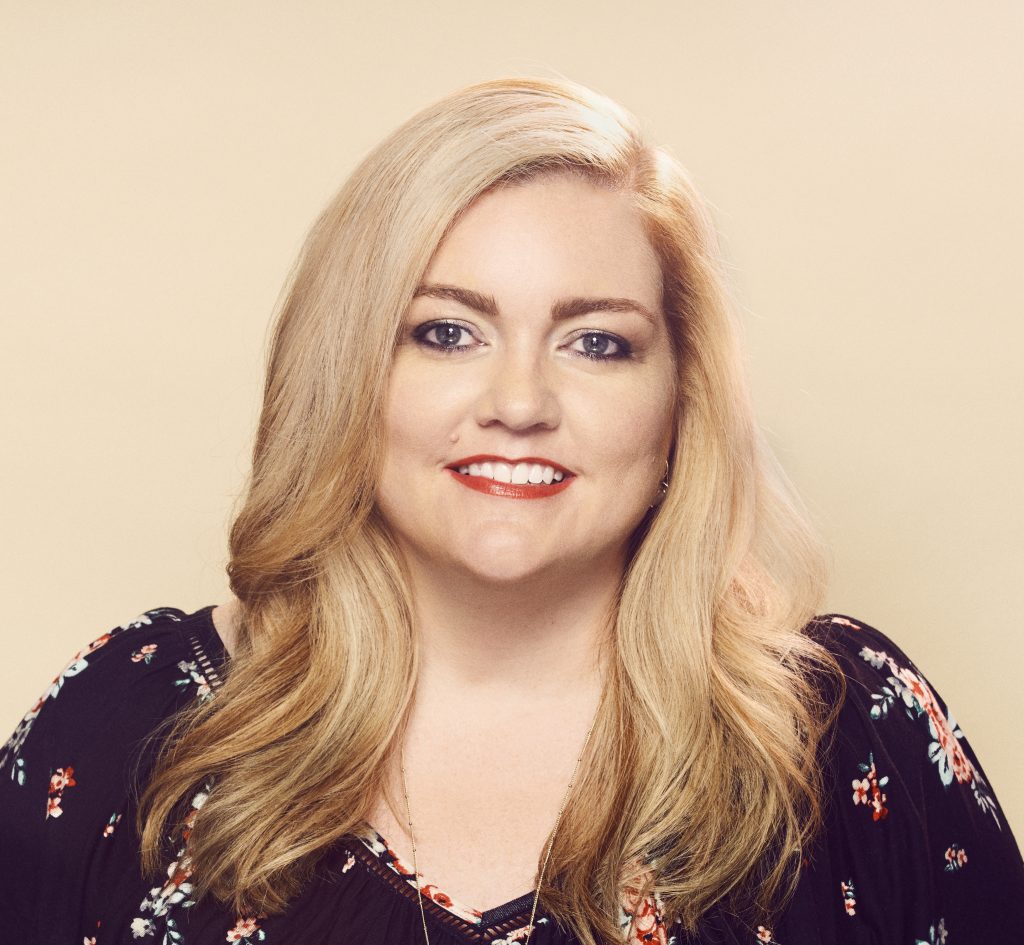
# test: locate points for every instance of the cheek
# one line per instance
(419, 411)
(630, 434)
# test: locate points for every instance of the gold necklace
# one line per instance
(547, 855)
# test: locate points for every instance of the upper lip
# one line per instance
(491, 458)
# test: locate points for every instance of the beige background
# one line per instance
(161, 164)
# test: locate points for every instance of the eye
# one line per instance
(447, 333)
(595, 346)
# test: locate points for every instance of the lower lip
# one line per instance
(511, 490)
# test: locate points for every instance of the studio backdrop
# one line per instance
(162, 163)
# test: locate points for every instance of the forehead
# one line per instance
(553, 234)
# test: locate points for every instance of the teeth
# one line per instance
(521, 473)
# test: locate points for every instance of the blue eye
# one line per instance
(448, 332)
(596, 343)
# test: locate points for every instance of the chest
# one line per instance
(483, 802)
(480, 835)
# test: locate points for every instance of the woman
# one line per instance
(524, 645)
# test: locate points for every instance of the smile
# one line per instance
(529, 478)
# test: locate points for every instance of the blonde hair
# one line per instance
(711, 723)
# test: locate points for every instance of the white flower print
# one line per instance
(191, 674)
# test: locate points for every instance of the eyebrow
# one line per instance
(562, 309)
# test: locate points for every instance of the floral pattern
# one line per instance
(11, 751)
(642, 920)
(956, 857)
(176, 891)
(936, 934)
(874, 749)
(383, 851)
(191, 674)
(60, 779)
(849, 896)
(144, 654)
(246, 931)
(518, 935)
(108, 829)
(868, 790)
(920, 702)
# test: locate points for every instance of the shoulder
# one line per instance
(882, 679)
(852, 640)
(133, 655)
(914, 844)
(888, 700)
(117, 687)
(70, 769)
(896, 736)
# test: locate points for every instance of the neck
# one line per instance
(538, 639)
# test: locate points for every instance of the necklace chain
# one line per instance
(547, 854)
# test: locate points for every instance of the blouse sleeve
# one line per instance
(66, 769)
(933, 851)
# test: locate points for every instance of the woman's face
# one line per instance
(536, 333)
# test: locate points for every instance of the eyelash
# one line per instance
(420, 333)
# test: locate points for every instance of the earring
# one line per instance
(663, 490)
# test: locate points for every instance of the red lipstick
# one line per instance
(510, 490)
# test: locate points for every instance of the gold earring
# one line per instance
(662, 490)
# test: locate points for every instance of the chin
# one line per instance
(503, 570)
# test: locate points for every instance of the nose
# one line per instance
(519, 393)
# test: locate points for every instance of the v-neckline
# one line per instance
(479, 920)
(476, 924)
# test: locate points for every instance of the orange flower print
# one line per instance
(60, 779)
(860, 791)
(765, 935)
(868, 790)
(955, 857)
(849, 897)
(644, 916)
(111, 824)
(349, 863)
(383, 850)
(518, 935)
(648, 924)
(436, 895)
(144, 653)
(244, 931)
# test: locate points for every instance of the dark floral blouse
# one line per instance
(916, 850)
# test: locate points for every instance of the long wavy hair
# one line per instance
(712, 722)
